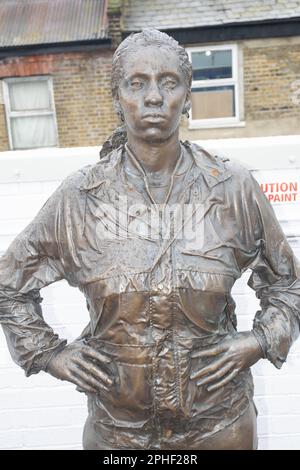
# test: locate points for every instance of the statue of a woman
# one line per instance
(155, 235)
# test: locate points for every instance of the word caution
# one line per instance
(281, 192)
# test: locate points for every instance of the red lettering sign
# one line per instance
(281, 191)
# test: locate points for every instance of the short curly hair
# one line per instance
(148, 37)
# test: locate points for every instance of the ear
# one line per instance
(118, 109)
(187, 104)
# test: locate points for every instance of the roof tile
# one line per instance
(139, 14)
(28, 22)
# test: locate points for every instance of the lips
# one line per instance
(154, 117)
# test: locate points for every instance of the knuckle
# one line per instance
(69, 375)
(76, 361)
(71, 369)
(81, 364)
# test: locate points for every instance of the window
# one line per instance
(30, 112)
(215, 90)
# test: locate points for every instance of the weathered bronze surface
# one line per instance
(161, 361)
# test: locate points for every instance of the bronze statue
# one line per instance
(155, 235)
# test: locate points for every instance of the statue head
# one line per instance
(153, 43)
(146, 38)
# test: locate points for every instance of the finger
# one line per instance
(217, 375)
(90, 352)
(212, 367)
(223, 382)
(92, 368)
(209, 352)
(79, 383)
(83, 387)
(88, 379)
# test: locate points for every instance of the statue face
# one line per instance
(152, 93)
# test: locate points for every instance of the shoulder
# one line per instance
(238, 182)
(105, 169)
(74, 180)
(219, 168)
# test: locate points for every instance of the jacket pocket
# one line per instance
(197, 400)
(203, 308)
(129, 402)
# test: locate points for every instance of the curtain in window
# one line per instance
(37, 130)
(29, 96)
(31, 132)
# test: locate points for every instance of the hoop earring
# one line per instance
(186, 112)
(121, 115)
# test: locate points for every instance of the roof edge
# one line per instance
(269, 28)
(55, 47)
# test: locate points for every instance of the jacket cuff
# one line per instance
(42, 359)
(262, 341)
(275, 349)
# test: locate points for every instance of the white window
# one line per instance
(215, 86)
(30, 112)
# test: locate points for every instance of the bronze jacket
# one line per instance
(154, 298)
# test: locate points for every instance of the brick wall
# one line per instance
(114, 12)
(85, 113)
(269, 74)
(271, 78)
(84, 109)
(40, 412)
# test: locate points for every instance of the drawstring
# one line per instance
(139, 166)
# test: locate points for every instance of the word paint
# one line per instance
(281, 191)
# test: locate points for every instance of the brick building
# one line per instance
(246, 62)
(55, 60)
(245, 56)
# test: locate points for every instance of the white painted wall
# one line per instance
(40, 412)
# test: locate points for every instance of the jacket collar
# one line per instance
(103, 171)
(212, 168)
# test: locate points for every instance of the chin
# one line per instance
(156, 136)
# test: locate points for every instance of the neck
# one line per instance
(156, 158)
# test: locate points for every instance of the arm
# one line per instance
(35, 259)
(276, 280)
(30, 263)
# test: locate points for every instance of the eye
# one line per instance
(136, 84)
(169, 83)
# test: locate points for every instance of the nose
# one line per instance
(153, 95)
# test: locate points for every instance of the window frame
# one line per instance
(234, 80)
(35, 113)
